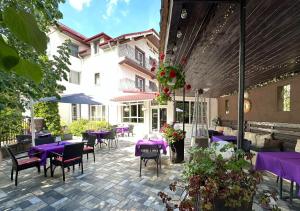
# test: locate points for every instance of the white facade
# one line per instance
(111, 72)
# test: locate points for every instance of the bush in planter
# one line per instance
(79, 126)
(214, 183)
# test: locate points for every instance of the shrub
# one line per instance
(49, 112)
(79, 126)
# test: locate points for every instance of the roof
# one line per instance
(135, 97)
(86, 40)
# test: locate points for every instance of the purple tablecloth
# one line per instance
(45, 149)
(232, 139)
(284, 164)
(161, 143)
(99, 134)
(122, 130)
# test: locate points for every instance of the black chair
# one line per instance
(150, 152)
(71, 156)
(21, 163)
(111, 137)
(89, 146)
(44, 140)
(130, 130)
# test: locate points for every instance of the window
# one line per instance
(226, 106)
(140, 56)
(74, 49)
(140, 83)
(180, 115)
(284, 98)
(189, 112)
(97, 112)
(153, 86)
(74, 77)
(97, 79)
(75, 110)
(133, 112)
(96, 46)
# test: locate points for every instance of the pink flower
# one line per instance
(162, 56)
(152, 69)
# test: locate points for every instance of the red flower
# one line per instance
(162, 73)
(162, 56)
(172, 74)
(166, 90)
(152, 69)
(188, 87)
(175, 134)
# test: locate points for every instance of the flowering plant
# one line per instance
(172, 135)
(170, 78)
(211, 182)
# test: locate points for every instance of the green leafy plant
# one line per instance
(172, 135)
(49, 112)
(79, 126)
(210, 180)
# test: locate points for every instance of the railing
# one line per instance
(129, 85)
(8, 134)
(126, 50)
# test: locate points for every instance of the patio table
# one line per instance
(122, 130)
(161, 143)
(45, 150)
(99, 134)
(286, 165)
(232, 139)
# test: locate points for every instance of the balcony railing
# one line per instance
(127, 84)
(127, 51)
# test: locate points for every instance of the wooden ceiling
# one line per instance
(210, 42)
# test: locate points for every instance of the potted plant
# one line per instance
(212, 182)
(170, 78)
(175, 138)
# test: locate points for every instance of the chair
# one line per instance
(130, 130)
(44, 140)
(85, 136)
(110, 137)
(71, 155)
(18, 165)
(90, 146)
(150, 152)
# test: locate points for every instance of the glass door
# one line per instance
(158, 118)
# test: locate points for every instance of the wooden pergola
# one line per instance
(231, 46)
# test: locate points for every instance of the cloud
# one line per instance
(111, 5)
(124, 12)
(79, 4)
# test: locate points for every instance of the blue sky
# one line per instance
(113, 17)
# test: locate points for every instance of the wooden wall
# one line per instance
(264, 104)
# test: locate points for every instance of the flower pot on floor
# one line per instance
(177, 151)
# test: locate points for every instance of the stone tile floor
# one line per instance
(112, 183)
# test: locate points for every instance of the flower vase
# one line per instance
(177, 151)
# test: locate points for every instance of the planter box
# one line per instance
(66, 137)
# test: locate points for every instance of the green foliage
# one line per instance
(23, 60)
(10, 121)
(171, 134)
(79, 126)
(49, 112)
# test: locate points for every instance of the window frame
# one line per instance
(137, 80)
(100, 111)
(74, 49)
(78, 79)
(99, 79)
(139, 117)
(77, 114)
(138, 52)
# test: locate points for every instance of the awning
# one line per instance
(134, 97)
(78, 98)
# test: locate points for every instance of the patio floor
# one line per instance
(112, 183)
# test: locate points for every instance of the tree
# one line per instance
(26, 72)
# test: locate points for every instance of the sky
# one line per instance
(113, 17)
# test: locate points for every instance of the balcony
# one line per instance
(127, 53)
(128, 85)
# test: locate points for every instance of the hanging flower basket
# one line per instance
(170, 78)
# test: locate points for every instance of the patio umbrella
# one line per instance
(77, 98)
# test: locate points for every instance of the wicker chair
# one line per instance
(89, 146)
(150, 152)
